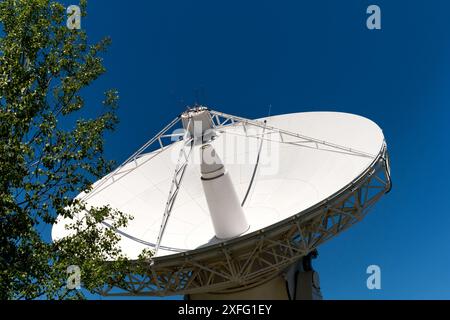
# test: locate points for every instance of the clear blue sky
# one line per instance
(305, 56)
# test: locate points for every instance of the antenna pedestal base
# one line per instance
(299, 282)
(274, 289)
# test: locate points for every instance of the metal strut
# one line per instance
(134, 157)
(215, 115)
(255, 168)
(183, 160)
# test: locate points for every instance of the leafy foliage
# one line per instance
(43, 68)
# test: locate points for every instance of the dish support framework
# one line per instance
(257, 257)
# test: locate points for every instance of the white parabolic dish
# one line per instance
(292, 176)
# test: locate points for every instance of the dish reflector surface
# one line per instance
(292, 175)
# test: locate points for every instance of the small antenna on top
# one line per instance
(203, 95)
(197, 97)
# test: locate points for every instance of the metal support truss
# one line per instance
(160, 139)
(221, 120)
(259, 256)
(182, 163)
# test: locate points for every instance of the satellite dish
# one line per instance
(228, 203)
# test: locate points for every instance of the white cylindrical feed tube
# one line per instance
(227, 215)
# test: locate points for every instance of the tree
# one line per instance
(44, 163)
